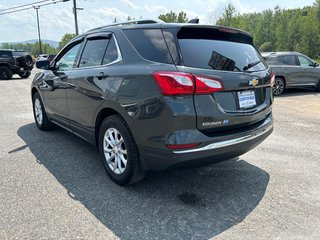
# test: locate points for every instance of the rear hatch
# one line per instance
(227, 56)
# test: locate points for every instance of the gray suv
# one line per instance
(293, 70)
(153, 96)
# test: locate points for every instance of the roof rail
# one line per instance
(140, 21)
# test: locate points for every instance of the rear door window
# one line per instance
(93, 52)
(275, 60)
(290, 60)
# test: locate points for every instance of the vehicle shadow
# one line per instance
(182, 204)
(14, 78)
(293, 92)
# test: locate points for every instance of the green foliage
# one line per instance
(172, 17)
(280, 29)
(65, 39)
(34, 48)
(266, 47)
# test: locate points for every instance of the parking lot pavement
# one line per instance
(53, 186)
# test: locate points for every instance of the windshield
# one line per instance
(221, 55)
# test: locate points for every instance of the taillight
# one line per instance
(182, 146)
(178, 83)
(175, 83)
(272, 79)
(205, 85)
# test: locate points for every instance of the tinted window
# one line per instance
(150, 44)
(275, 60)
(220, 55)
(19, 53)
(5, 54)
(290, 60)
(111, 53)
(68, 60)
(93, 52)
(304, 61)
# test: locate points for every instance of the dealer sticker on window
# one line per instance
(247, 99)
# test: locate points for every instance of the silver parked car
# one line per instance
(293, 70)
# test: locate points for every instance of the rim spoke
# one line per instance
(112, 138)
(106, 138)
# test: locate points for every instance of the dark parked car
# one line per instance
(154, 96)
(15, 62)
(293, 70)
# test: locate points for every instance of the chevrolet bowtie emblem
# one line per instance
(254, 82)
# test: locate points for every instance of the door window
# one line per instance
(69, 59)
(93, 52)
(304, 61)
(290, 60)
(275, 60)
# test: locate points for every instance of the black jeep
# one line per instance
(15, 62)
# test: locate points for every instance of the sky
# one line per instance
(57, 19)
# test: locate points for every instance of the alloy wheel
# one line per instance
(115, 151)
(38, 111)
(278, 87)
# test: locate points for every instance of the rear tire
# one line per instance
(5, 73)
(119, 151)
(40, 115)
(318, 87)
(279, 86)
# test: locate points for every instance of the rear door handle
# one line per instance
(101, 75)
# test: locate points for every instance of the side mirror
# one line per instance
(44, 64)
(314, 64)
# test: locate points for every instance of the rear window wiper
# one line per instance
(250, 65)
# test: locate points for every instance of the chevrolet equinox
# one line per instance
(153, 95)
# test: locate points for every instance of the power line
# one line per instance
(25, 5)
(26, 8)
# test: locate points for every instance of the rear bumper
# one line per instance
(211, 150)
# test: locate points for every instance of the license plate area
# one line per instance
(247, 99)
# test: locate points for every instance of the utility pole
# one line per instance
(37, 8)
(75, 9)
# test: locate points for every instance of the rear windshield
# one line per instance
(218, 50)
(220, 55)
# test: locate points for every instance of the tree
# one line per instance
(228, 15)
(65, 39)
(172, 17)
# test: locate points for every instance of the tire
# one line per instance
(119, 151)
(40, 115)
(26, 61)
(318, 87)
(5, 73)
(25, 74)
(279, 86)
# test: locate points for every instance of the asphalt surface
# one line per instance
(53, 185)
